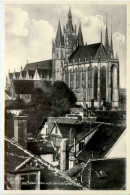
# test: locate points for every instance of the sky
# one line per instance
(30, 29)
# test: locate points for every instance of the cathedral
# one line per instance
(91, 71)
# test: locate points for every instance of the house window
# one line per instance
(101, 174)
(28, 181)
(81, 145)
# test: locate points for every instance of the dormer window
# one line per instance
(101, 174)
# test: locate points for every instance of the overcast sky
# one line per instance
(29, 30)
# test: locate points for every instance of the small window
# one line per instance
(28, 181)
(81, 145)
(101, 174)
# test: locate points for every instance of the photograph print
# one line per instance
(65, 96)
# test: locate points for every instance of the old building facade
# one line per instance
(91, 71)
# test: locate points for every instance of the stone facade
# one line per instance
(91, 71)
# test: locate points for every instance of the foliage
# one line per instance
(108, 106)
(60, 108)
(39, 97)
(62, 98)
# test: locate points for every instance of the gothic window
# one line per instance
(114, 81)
(95, 82)
(103, 82)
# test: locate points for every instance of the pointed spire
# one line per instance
(69, 25)
(106, 37)
(69, 14)
(111, 46)
(58, 40)
(80, 36)
(21, 68)
(101, 34)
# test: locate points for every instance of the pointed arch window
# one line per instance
(95, 82)
(103, 82)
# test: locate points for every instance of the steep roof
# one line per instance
(80, 37)
(51, 120)
(17, 74)
(105, 174)
(31, 72)
(88, 51)
(16, 154)
(28, 86)
(65, 129)
(11, 75)
(46, 64)
(69, 25)
(78, 130)
(40, 147)
(101, 142)
(23, 86)
(24, 73)
(59, 38)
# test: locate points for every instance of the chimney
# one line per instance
(20, 130)
(72, 157)
(63, 155)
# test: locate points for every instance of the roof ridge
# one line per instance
(39, 61)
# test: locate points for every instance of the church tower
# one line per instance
(80, 37)
(63, 46)
(69, 37)
(107, 39)
(58, 55)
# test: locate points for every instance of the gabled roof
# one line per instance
(88, 51)
(51, 120)
(105, 174)
(17, 74)
(16, 156)
(11, 75)
(47, 64)
(24, 73)
(65, 129)
(28, 86)
(23, 86)
(101, 142)
(42, 72)
(31, 72)
(78, 130)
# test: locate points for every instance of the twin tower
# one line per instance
(91, 71)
